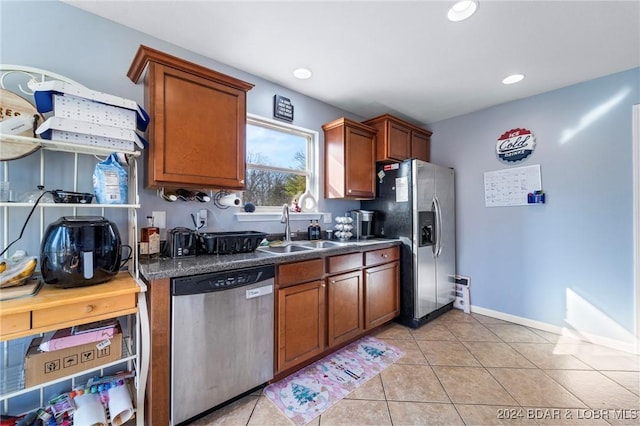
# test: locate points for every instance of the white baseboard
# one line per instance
(631, 347)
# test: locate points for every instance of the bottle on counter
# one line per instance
(149, 239)
(317, 230)
(310, 231)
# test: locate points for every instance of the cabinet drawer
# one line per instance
(299, 272)
(344, 262)
(377, 257)
(83, 310)
(15, 323)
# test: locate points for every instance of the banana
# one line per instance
(18, 273)
(3, 266)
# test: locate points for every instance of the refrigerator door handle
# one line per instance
(434, 246)
(438, 217)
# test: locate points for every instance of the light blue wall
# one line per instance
(97, 53)
(522, 260)
(575, 251)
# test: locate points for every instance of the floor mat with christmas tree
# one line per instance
(307, 393)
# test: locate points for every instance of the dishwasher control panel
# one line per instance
(217, 281)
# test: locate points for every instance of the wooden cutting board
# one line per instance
(12, 105)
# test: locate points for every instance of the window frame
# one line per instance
(312, 156)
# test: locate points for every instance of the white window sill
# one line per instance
(276, 216)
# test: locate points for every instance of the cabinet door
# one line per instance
(420, 146)
(301, 323)
(345, 308)
(398, 141)
(381, 294)
(360, 163)
(197, 133)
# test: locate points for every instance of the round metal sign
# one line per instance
(515, 145)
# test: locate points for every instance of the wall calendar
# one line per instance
(510, 187)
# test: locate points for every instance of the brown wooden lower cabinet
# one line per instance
(345, 308)
(308, 314)
(381, 294)
(301, 323)
(362, 292)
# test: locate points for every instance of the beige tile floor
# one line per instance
(469, 369)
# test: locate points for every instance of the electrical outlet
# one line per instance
(327, 217)
(159, 219)
(202, 218)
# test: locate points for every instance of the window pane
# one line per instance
(275, 148)
(278, 166)
(268, 188)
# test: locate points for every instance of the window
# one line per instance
(280, 162)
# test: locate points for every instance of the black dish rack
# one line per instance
(229, 242)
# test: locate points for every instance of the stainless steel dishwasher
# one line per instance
(221, 338)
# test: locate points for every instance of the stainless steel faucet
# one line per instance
(285, 220)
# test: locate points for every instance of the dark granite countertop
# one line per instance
(165, 267)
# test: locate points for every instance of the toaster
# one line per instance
(181, 242)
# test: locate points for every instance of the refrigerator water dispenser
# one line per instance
(426, 227)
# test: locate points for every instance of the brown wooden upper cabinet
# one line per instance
(398, 139)
(350, 160)
(198, 120)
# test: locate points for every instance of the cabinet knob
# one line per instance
(333, 281)
(349, 191)
(323, 285)
(88, 308)
(385, 255)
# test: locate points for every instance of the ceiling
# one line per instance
(401, 57)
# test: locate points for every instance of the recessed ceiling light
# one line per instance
(513, 78)
(462, 10)
(302, 73)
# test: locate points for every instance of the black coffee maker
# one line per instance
(362, 220)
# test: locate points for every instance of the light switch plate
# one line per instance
(159, 219)
(202, 218)
(327, 217)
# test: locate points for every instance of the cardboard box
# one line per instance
(44, 92)
(68, 338)
(462, 294)
(74, 108)
(42, 367)
(83, 133)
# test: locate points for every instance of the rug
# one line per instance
(307, 393)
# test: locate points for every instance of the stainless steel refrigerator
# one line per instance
(416, 203)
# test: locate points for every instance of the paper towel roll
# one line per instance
(120, 405)
(89, 410)
(231, 200)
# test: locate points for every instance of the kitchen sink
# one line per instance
(300, 246)
(284, 249)
(322, 244)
